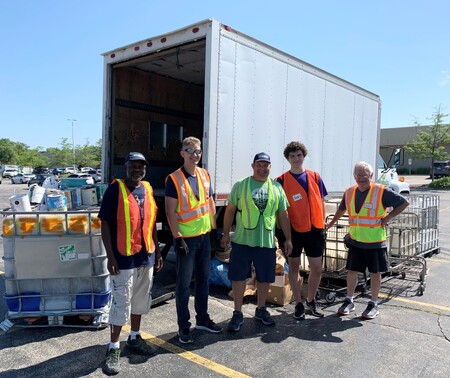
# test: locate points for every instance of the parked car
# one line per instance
(40, 178)
(8, 173)
(70, 170)
(96, 174)
(22, 178)
(41, 170)
(0, 179)
(58, 171)
(441, 168)
(87, 176)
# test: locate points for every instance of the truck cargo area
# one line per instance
(157, 100)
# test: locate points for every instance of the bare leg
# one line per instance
(135, 322)
(375, 285)
(262, 289)
(238, 294)
(315, 273)
(295, 279)
(352, 281)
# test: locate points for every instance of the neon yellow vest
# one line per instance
(192, 214)
(365, 226)
(250, 212)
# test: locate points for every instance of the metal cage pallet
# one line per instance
(55, 270)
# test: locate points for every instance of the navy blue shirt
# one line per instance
(108, 212)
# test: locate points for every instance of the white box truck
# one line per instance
(240, 97)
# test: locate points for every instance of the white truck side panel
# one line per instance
(266, 102)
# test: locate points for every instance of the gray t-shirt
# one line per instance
(389, 199)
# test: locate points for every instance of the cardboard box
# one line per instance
(280, 292)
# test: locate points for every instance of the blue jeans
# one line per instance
(197, 261)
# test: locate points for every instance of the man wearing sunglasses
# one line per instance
(190, 211)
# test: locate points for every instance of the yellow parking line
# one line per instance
(424, 304)
(195, 358)
(438, 260)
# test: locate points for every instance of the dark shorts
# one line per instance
(313, 242)
(242, 257)
(375, 260)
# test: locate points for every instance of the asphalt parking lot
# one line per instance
(410, 337)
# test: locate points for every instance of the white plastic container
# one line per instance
(89, 196)
(20, 202)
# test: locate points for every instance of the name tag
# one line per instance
(297, 197)
(368, 206)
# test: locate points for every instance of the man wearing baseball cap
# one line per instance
(128, 215)
(257, 201)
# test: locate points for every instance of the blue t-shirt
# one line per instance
(108, 212)
(302, 179)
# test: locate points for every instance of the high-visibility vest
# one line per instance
(305, 208)
(250, 213)
(132, 232)
(192, 213)
(365, 226)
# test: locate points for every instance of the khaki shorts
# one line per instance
(131, 294)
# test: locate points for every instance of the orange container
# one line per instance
(52, 224)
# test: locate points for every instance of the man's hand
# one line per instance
(113, 267)
(181, 247)
(225, 241)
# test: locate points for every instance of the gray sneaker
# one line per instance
(140, 346)
(346, 307)
(184, 336)
(371, 311)
(262, 315)
(236, 321)
(314, 309)
(112, 363)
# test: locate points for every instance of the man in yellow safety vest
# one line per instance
(190, 211)
(366, 204)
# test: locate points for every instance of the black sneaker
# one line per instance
(299, 312)
(112, 363)
(209, 326)
(184, 336)
(371, 311)
(140, 346)
(263, 316)
(236, 321)
(314, 309)
(346, 307)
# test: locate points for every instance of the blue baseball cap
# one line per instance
(135, 156)
(262, 156)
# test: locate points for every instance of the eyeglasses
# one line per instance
(191, 151)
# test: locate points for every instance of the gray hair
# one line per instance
(363, 165)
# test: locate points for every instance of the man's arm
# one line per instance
(395, 211)
(339, 213)
(171, 214)
(285, 224)
(113, 267)
(227, 222)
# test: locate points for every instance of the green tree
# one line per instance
(430, 143)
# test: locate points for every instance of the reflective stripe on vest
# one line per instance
(192, 214)
(305, 208)
(130, 228)
(251, 213)
(365, 226)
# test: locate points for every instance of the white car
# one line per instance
(8, 173)
(22, 178)
(88, 177)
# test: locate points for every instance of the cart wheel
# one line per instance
(403, 275)
(330, 297)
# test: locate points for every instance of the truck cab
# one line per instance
(387, 173)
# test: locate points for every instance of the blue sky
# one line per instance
(51, 68)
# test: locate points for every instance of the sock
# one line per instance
(114, 345)
(375, 302)
(133, 334)
(349, 298)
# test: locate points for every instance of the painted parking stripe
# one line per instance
(410, 301)
(195, 358)
(438, 260)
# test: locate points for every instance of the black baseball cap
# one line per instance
(135, 156)
(262, 156)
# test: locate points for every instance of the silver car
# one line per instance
(22, 178)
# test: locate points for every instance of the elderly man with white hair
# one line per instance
(366, 204)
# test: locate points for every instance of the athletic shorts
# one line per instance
(242, 257)
(313, 242)
(131, 294)
(375, 260)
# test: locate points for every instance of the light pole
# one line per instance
(73, 142)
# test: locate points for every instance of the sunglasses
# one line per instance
(191, 151)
